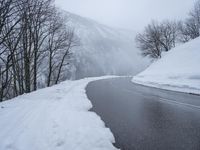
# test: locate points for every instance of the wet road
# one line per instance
(143, 118)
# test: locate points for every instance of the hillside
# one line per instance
(103, 50)
(178, 70)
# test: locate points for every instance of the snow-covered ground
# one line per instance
(55, 118)
(178, 69)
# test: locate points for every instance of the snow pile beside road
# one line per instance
(55, 118)
(178, 70)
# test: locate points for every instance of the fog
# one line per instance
(130, 14)
(103, 50)
(107, 50)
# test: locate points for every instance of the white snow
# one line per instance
(178, 70)
(55, 118)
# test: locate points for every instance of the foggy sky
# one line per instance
(130, 14)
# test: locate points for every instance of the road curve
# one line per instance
(144, 118)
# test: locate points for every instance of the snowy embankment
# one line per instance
(178, 70)
(53, 118)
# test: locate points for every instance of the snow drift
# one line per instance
(55, 118)
(178, 70)
(103, 50)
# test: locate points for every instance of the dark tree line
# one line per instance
(35, 45)
(160, 37)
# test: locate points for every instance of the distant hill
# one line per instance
(104, 50)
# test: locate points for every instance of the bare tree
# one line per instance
(42, 13)
(9, 19)
(32, 34)
(169, 34)
(190, 28)
(157, 38)
(60, 41)
(148, 42)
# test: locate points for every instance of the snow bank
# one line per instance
(55, 118)
(178, 70)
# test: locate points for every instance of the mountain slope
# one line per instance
(103, 50)
(177, 70)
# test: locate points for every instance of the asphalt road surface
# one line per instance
(144, 118)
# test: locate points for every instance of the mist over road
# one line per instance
(143, 118)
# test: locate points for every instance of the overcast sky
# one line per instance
(130, 14)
